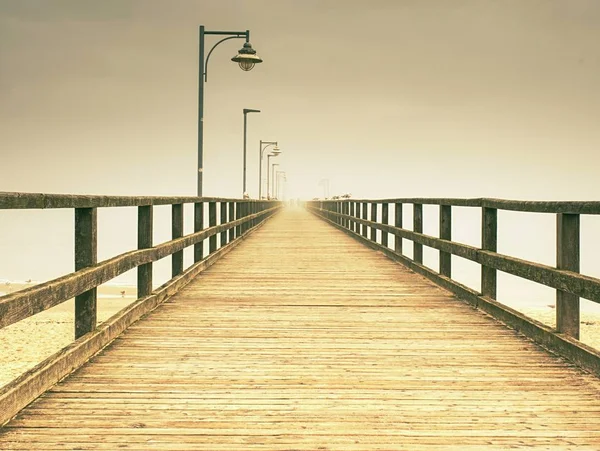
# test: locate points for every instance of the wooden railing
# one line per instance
(235, 219)
(359, 218)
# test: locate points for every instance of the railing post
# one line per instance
(231, 218)
(398, 223)
(567, 257)
(177, 232)
(198, 226)
(212, 221)
(144, 273)
(364, 216)
(356, 214)
(351, 209)
(239, 209)
(373, 219)
(223, 234)
(489, 242)
(385, 218)
(86, 254)
(446, 234)
(418, 228)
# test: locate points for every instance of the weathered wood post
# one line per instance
(398, 223)
(489, 242)
(212, 221)
(446, 234)
(86, 254)
(352, 212)
(144, 275)
(239, 212)
(223, 234)
(567, 257)
(198, 226)
(177, 232)
(418, 227)
(231, 218)
(373, 219)
(385, 219)
(365, 216)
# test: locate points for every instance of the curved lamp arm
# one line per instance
(213, 47)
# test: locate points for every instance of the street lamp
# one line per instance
(246, 111)
(276, 151)
(272, 154)
(246, 58)
(273, 179)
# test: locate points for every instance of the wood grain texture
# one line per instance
(304, 339)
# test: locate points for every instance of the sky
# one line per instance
(465, 98)
(382, 98)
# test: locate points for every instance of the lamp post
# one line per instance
(246, 58)
(246, 111)
(279, 175)
(262, 149)
(272, 154)
(273, 178)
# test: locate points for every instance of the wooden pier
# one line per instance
(304, 339)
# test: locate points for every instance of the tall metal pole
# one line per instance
(260, 157)
(245, 130)
(246, 111)
(273, 178)
(200, 108)
(268, 166)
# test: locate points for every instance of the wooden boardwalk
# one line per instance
(303, 339)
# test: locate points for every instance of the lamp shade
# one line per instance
(247, 57)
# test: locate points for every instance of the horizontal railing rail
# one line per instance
(362, 218)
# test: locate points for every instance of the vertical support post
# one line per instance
(567, 257)
(86, 254)
(239, 208)
(212, 221)
(177, 232)
(351, 212)
(373, 219)
(231, 218)
(364, 216)
(198, 226)
(223, 234)
(417, 227)
(385, 219)
(398, 223)
(144, 273)
(446, 234)
(489, 242)
(356, 214)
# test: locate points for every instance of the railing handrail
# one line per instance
(531, 206)
(18, 200)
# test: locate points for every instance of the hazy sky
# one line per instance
(399, 98)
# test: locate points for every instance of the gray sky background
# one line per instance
(385, 98)
(465, 98)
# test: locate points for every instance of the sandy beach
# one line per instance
(30, 341)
